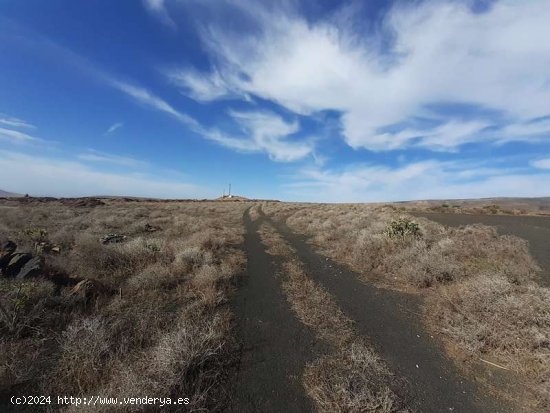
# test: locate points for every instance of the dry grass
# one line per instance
(167, 329)
(353, 379)
(479, 287)
(349, 379)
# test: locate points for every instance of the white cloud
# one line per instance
(158, 8)
(58, 177)
(442, 53)
(114, 127)
(420, 180)
(541, 163)
(264, 132)
(200, 87)
(447, 136)
(96, 156)
(528, 131)
(12, 122)
(149, 99)
(16, 136)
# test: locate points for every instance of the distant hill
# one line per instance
(486, 205)
(6, 194)
(231, 198)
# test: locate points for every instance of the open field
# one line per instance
(268, 306)
(151, 315)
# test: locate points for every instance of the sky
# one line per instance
(356, 101)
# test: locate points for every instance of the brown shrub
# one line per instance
(352, 380)
(508, 322)
(165, 332)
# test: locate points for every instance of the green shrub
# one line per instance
(36, 234)
(402, 227)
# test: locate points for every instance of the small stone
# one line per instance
(32, 268)
(17, 262)
(151, 228)
(89, 288)
(112, 238)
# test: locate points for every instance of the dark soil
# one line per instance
(536, 230)
(392, 325)
(275, 345)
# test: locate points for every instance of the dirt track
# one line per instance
(277, 346)
(536, 230)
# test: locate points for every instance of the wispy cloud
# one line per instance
(14, 122)
(159, 10)
(428, 179)
(446, 136)
(200, 87)
(101, 157)
(532, 130)
(541, 163)
(40, 175)
(148, 98)
(114, 127)
(16, 136)
(264, 132)
(8, 132)
(425, 54)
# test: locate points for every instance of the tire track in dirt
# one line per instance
(391, 323)
(275, 346)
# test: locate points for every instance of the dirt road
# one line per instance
(536, 230)
(276, 347)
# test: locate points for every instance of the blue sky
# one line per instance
(294, 100)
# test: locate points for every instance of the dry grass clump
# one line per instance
(275, 244)
(506, 322)
(184, 362)
(458, 254)
(479, 286)
(253, 213)
(315, 307)
(351, 378)
(166, 329)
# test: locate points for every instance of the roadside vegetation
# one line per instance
(479, 288)
(350, 377)
(495, 206)
(131, 300)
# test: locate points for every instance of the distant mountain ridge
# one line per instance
(6, 194)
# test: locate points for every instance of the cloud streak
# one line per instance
(12, 122)
(114, 127)
(101, 157)
(39, 175)
(159, 10)
(149, 99)
(16, 136)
